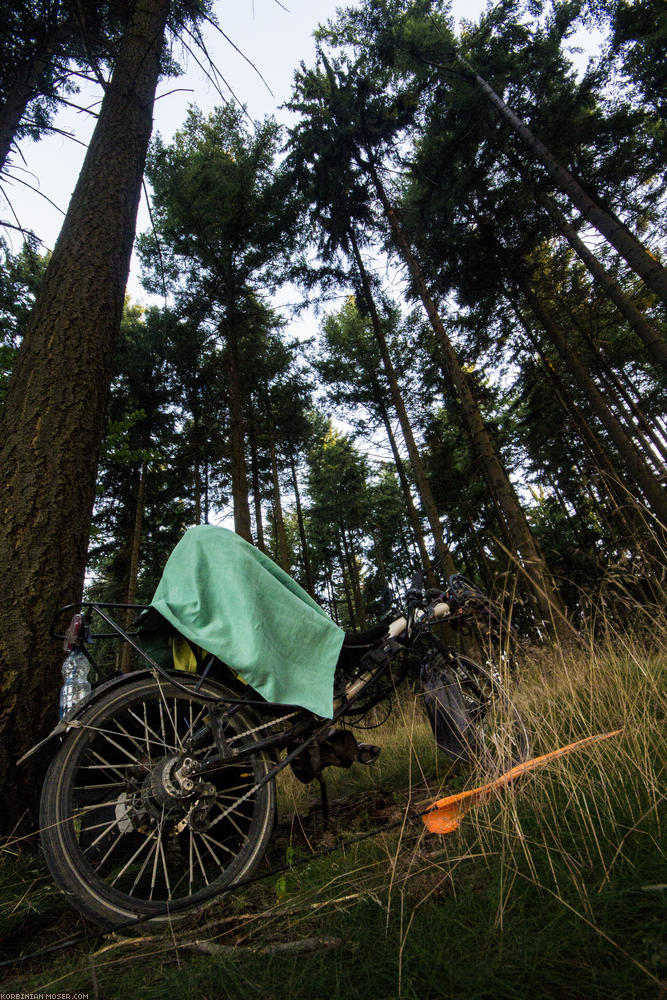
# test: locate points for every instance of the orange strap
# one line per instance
(445, 814)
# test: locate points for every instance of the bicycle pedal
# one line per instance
(368, 753)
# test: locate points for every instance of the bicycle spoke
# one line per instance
(136, 854)
(217, 843)
(107, 825)
(159, 743)
(164, 868)
(158, 839)
(201, 864)
(211, 851)
(143, 867)
(107, 765)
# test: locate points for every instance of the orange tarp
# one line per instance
(445, 814)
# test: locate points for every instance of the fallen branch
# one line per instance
(302, 947)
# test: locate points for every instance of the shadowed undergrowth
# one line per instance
(554, 888)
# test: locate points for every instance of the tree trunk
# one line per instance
(413, 516)
(632, 424)
(634, 464)
(631, 414)
(310, 586)
(331, 594)
(543, 586)
(423, 485)
(237, 439)
(197, 485)
(283, 559)
(346, 588)
(256, 491)
(654, 343)
(53, 420)
(608, 472)
(644, 264)
(133, 572)
(23, 88)
(355, 578)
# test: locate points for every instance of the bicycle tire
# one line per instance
(104, 778)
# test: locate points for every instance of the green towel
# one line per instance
(231, 599)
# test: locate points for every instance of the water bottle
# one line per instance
(76, 686)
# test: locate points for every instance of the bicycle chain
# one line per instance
(265, 725)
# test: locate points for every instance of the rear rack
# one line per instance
(97, 606)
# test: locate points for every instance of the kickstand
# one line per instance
(324, 799)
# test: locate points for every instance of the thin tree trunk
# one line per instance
(423, 485)
(133, 573)
(281, 538)
(627, 408)
(644, 264)
(631, 458)
(353, 576)
(346, 588)
(256, 491)
(242, 525)
(609, 475)
(53, 420)
(609, 385)
(482, 557)
(543, 586)
(654, 343)
(331, 593)
(197, 483)
(356, 578)
(310, 586)
(413, 516)
(22, 90)
(377, 545)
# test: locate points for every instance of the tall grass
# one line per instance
(552, 888)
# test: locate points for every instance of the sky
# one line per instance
(274, 36)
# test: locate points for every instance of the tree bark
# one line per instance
(423, 485)
(643, 263)
(305, 553)
(281, 538)
(635, 466)
(23, 89)
(346, 589)
(53, 420)
(609, 475)
(242, 525)
(654, 343)
(543, 587)
(413, 516)
(133, 573)
(256, 491)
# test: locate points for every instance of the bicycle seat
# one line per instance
(353, 640)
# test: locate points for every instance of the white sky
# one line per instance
(275, 39)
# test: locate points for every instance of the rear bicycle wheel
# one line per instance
(472, 716)
(129, 829)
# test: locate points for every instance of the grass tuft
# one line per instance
(553, 888)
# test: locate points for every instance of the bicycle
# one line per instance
(162, 791)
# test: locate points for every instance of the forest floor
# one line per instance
(552, 889)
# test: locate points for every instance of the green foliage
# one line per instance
(20, 275)
(142, 440)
